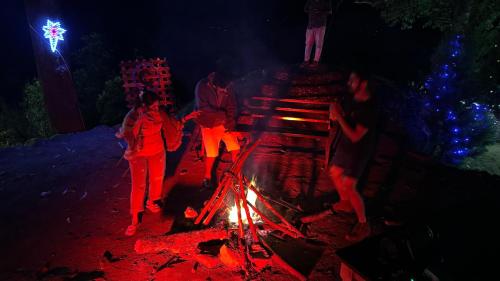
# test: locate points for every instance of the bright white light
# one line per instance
(53, 32)
(233, 214)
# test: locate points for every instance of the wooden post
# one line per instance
(255, 238)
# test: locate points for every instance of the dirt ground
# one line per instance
(64, 203)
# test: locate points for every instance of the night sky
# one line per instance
(193, 34)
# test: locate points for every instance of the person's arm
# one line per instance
(127, 129)
(231, 110)
(191, 115)
(353, 134)
(202, 97)
(202, 92)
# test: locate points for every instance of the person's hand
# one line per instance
(192, 115)
(336, 111)
(332, 111)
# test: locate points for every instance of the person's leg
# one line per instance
(209, 163)
(362, 229)
(337, 176)
(211, 143)
(234, 155)
(156, 169)
(355, 198)
(319, 36)
(309, 44)
(138, 176)
(232, 145)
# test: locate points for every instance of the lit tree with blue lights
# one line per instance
(452, 114)
(458, 124)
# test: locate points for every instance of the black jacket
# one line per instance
(215, 111)
(318, 11)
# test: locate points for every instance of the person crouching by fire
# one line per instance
(148, 131)
(216, 104)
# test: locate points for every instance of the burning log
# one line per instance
(180, 243)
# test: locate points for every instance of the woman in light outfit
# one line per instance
(146, 129)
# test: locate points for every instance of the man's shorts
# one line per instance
(213, 136)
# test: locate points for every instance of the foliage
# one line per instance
(111, 103)
(93, 67)
(456, 125)
(34, 110)
(13, 126)
(451, 113)
(477, 20)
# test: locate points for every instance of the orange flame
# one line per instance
(233, 213)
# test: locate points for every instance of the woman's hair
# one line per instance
(148, 97)
(362, 73)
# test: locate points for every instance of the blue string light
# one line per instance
(441, 99)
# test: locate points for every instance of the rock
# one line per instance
(45, 193)
(229, 258)
(190, 213)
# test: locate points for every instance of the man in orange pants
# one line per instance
(216, 104)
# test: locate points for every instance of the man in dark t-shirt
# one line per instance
(352, 148)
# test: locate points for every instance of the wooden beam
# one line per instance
(291, 118)
(301, 101)
(289, 109)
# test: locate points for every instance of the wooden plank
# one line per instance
(300, 101)
(291, 118)
(288, 109)
(297, 256)
(289, 132)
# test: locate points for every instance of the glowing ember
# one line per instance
(233, 214)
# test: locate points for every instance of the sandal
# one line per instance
(131, 230)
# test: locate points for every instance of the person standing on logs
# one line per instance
(216, 103)
(148, 131)
(318, 11)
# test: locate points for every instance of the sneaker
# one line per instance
(153, 207)
(359, 232)
(131, 230)
(304, 64)
(343, 206)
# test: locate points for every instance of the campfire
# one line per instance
(251, 197)
(241, 240)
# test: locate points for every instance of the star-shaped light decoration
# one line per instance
(54, 33)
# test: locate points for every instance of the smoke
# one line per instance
(193, 35)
